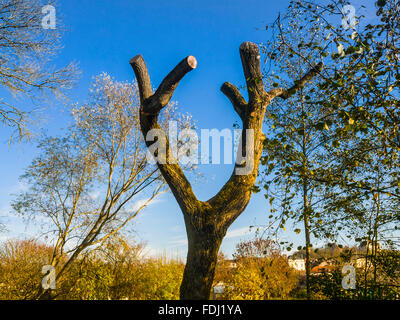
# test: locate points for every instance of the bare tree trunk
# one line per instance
(375, 241)
(200, 264)
(308, 261)
(207, 221)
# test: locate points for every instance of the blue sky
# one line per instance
(102, 36)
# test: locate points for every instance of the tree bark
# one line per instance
(308, 261)
(207, 221)
(201, 260)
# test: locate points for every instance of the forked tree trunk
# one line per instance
(207, 221)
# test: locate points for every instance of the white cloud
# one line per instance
(239, 232)
(137, 204)
(178, 242)
(94, 195)
(19, 187)
(4, 238)
(149, 251)
(5, 212)
(177, 228)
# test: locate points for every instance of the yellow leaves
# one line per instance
(340, 49)
(261, 278)
(351, 121)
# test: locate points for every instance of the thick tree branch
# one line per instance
(150, 107)
(142, 77)
(285, 94)
(167, 87)
(234, 196)
(250, 55)
(152, 104)
(233, 94)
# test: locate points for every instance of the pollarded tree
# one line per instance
(207, 221)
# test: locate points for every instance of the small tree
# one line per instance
(91, 183)
(352, 168)
(261, 272)
(294, 148)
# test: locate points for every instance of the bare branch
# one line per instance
(142, 77)
(233, 94)
(150, 107)
(167, 87)
(152, 104)
(250, 55)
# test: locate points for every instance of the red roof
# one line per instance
(320, 269)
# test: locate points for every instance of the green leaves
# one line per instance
(334, 146)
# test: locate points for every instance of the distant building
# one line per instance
(298, 264)
(322, 269)
(368, 245)
(218, 291)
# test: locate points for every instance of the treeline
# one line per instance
(376, 273)
(116, 270)
(119, 270)
(261, 271)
